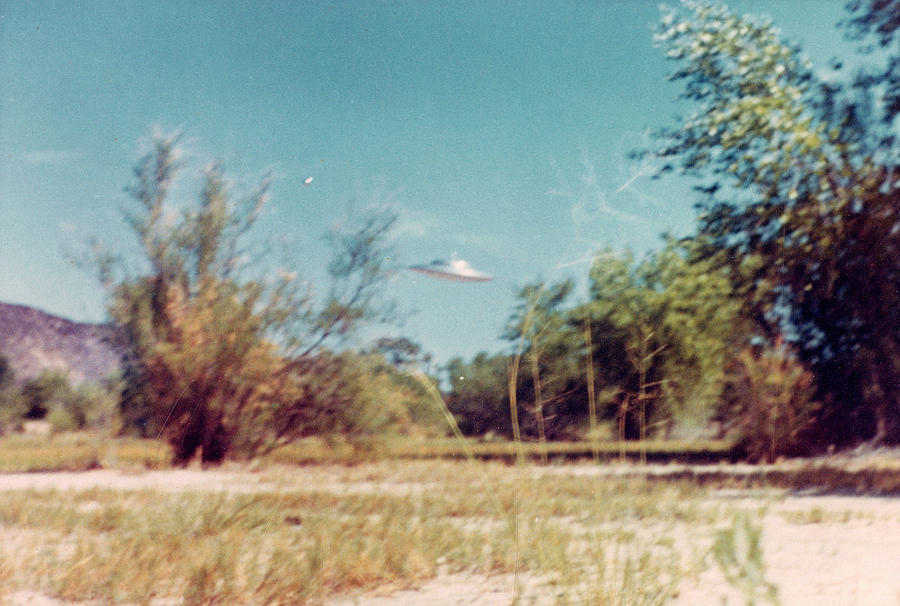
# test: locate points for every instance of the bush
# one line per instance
(769, 398)
(224, 355)
(50, 396)
(12, 410)
(48, 389)
(62, 420)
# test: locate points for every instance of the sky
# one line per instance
(499, 131)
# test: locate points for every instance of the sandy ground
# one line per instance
(819, 550)
(829, 563)
(834, 563)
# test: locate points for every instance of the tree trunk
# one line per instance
(216, 440)
(883, 392)
(186, 441)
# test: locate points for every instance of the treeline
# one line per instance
(660, 349)
(777, 321)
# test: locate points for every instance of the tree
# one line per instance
(549, 343)
(668, 323)
(879, 19)
(400, 351)
(800, 196)
(47, 391)
(620, 299)
(223, 359)
(478, 396)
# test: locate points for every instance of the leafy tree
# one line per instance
(664, 329)
(879, 19)
(700, 327)
(400, 351)
(478, 396)
(223, 359)
(800, 196)
(547, 341)
(622, 299)
(647, 350)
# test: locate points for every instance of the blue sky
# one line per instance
(499, 131)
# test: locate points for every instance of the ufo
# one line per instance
(455, 269)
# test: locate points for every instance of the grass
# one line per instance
(85, 451)
(576, 541)
(79, 452)
(297, 535)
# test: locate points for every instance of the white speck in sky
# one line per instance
(462, 155)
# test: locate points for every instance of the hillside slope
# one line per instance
(33, 340)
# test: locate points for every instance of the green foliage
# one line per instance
(545, 341)
(221, 359)
(879, 20)
(799, 236)
(12, 407)
(50, 396)
(61, 419)
(738, 551)
(48, 390)
(374, 399)
(478, 396)
(666, 325)
(800, 196)
(647, 352)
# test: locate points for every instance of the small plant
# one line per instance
(739, 554)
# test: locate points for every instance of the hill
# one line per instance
(33, 341)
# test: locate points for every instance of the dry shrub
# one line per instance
(769, 396)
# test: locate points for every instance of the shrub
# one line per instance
(62, 420)
(769, 398)
(45, 391)
(218, 343)
(50, 396)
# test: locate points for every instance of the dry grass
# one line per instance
(78, 452)
(83, 450)
(283, 534)
(325, 533)
(303, 535)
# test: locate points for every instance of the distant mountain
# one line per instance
(33, 341)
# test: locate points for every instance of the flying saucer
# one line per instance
(456, 269)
